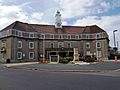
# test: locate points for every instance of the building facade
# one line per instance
(32, 42)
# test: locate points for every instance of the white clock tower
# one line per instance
(58, 22)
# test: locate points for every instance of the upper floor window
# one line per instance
(87, 45)
(19, 44)
(31, 35)
(20, 34)
(87, 36)
(60, 36)
(51, 36)
(76, 36)
(42, 36)
(98, 44)
(31, 45)
(98, 35)
(80, 36)
(69, 36)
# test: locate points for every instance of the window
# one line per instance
(19, 55)
(31, 55)
(98, 35)
(51, 45)
(60, 36)
(19, 44)
(87, 36)
(60, 45)
(31, 45)
(98, 44)
(16, 33)
(84, 36)
(87, 45)
(69, 36)
(42, 36)
(69, 45)
(51, 36)
(80, 36)
(31, 35)
(88, 53)
(99, 54)
(76, 36)
(20, 33)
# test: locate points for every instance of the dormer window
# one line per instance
(76, 36)
(20, 33)
(97, 35)
(51, 36)
(42, 36)
(60, 36)
(31, 35)
(87, 36)
(69, 36)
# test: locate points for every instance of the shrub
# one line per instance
(89, 59)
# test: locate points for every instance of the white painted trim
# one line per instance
(20, 55)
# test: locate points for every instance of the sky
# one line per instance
(104, 13)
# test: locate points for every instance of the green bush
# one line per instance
(89, 59)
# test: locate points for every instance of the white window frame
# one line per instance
(87, 36)
(98, 35)
(31, 47)
(88, 45)
(99, 54)
(20, 55)
(42, 36)
(20, 34)
(80, 36)
(69, 35)
(97, 44)
(33, 35)
(51, 45)
(60, 44)
(51, 36)
(33, 55)
(70, 45)
(61, 36)
(88, 53)
(76, 36)
(20, 42)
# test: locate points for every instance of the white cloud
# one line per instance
(77, 8)
(37, 15)
(108, 23)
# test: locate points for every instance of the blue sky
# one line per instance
(104, 13)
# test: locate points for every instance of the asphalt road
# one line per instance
(99, 66)
(20, 79)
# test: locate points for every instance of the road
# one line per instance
(20, 79)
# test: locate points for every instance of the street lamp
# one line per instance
(114, 38)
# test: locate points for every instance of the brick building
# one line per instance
(32, 42)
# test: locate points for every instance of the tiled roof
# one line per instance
(51, 28)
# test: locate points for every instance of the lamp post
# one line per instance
(114, 38)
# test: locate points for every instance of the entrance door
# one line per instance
(54, 58)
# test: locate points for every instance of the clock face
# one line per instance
(58, 24)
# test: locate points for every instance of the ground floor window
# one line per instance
(99, 54)
(31, 55)
(19, 55)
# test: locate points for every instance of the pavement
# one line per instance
(104, 66)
